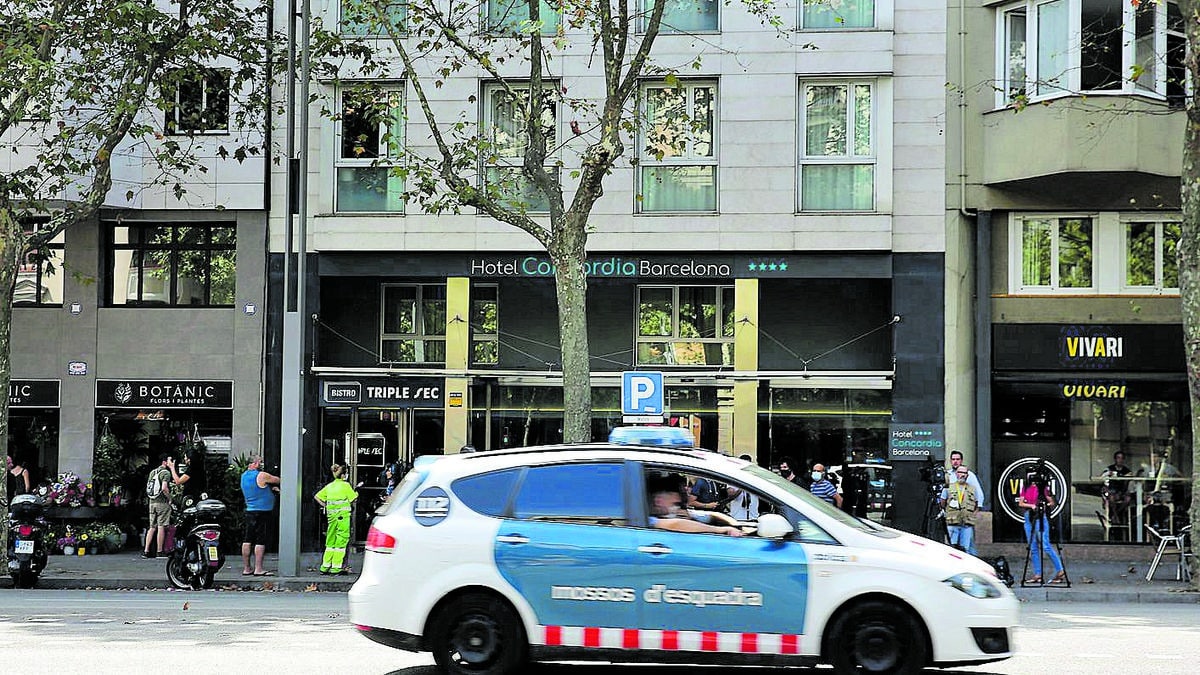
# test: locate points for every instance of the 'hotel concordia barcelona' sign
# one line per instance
(164, 393)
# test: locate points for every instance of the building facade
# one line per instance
(146, 323)
(783, 268)
(1064, 319)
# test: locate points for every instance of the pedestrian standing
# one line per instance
(958, 499)
(822, 487)
(258, 488)
(158, 497)
(336, 499)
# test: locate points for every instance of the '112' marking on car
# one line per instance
(432, 506)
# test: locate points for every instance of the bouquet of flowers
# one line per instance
(68, 490)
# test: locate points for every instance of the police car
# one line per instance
(489, 560)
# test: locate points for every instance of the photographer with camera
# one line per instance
(958, 499)
(1037, 502)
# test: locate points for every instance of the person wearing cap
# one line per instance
(958, 499)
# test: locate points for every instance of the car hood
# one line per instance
(925, 556)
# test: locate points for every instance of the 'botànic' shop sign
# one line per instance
(164, 393)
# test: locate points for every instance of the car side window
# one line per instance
(809, 532)
(575, 493)
(486, 493)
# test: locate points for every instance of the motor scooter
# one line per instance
(26, 548)
(197, 555)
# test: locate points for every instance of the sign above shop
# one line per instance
(164, 394)
(916, 442)
(1103, 347)
(613, 265)
(388, 392)
(1095, 389)
(33, 394)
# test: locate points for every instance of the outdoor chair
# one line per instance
(1171, 544)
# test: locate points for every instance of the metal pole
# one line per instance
(292, 417)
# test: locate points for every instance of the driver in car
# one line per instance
(667, 512)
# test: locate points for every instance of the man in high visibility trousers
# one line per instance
(336, 499)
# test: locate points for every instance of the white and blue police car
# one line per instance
(489, 560)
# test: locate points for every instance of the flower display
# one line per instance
(68, 490)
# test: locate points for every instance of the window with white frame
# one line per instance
(685, 325)
(826, 14)
(685, 16)
(1056, 253)
(485, 324)
(413, 326)
(1151, 255)
(1055, 47)
(198, 100)
(370, 142)
(505, 118)
(362, 19)
(677, 162)
(512, 16)
(837, 148)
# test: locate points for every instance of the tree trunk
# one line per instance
(568, 253)
(1189, 259)
(12, 243)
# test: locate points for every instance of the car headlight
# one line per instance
(974, 585)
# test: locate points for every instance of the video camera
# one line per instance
(933, 473)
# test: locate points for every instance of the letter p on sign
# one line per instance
(641, 393)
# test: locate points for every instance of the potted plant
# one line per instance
(107, 465)
(67, 544)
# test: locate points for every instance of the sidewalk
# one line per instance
(128, 570)
(1097, 573)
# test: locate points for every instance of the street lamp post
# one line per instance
(291, 431)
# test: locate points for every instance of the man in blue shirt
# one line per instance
(258, 488)
(822, 488)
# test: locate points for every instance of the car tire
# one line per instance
(877, 636)
(478, 634)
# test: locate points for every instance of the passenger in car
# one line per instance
(667, 512)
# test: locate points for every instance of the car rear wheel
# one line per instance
(877, 637)
(478, 634)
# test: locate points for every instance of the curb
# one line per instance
(1043, 595)
(275, 584)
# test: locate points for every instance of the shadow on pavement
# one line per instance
(628, 669)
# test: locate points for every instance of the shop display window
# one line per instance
(822, 425)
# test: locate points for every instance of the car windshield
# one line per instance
(817, 503)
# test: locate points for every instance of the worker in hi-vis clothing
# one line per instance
(336, 499)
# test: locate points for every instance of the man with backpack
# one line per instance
(158, 496)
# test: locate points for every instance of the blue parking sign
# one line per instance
(641, 393)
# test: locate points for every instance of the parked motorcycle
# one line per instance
(26, 549)
(197, 555)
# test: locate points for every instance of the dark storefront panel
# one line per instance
(1077, 394)
(808, 317)
(821, 425)
(33, 425)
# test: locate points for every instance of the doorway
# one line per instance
(368, 440)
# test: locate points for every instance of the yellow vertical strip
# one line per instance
(745, 358)
(458, 347)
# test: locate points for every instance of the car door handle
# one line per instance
(655, 549)
(512, 539)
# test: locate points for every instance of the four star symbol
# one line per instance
(763, 267)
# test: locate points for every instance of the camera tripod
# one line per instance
(1041, 538)
(933, 522)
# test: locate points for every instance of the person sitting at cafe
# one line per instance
(1117, 497)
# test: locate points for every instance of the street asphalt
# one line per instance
(1120, 578)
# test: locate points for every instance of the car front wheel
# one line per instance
(877, 637)
(478, 634)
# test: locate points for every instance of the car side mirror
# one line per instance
(773, 526)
